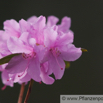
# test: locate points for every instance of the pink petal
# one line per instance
(70, 53)
(52, 20)
(64, 39)
(17, 64)
(40, 50)
(2, 37)
(12, 27)
(49, 37)
(44, 74)
(40, 24)
(65, 24)
(23, 77)
(32, 19)
(34, 69)
(3, 49)
(46, 69)
(24, 25)
(37, 29)
(46, 56)
(45, 78)
(32, 42)
(16, 46)
(1, 69)
(57, 68)
(5, 36)
(24, 37)
(5, 77)
(1, 32)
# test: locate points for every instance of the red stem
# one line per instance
(29, 91)
(21, 93)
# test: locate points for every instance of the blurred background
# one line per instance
(85, 76)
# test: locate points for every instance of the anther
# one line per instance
(40, 82)
(37, 44)
(9, 79)
(61, 68)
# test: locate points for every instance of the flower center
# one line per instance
(55, 51)
(29, 56)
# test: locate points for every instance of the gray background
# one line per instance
(85, 76)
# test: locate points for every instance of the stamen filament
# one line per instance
(57, 61)
(4, 87)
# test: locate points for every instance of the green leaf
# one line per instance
(7, 58)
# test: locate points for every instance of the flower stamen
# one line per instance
(9, 79)
(56, 53)
(29, 56)
(4, 87)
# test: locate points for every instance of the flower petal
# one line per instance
(12, 27)
(34, 69)
(24, 37)
(32, 42)
(24, 25)
(5, 77)
(17, 64)
(70, 53)
(25, 79)
(16, 46)
(44, 74)
(40, 50)
(64, 39)
(45, 77)
(52, 20)
(40, 24)
(65, 24)
(32, 19)
(49, 37)
(22, 77)
(46, 56)
(57, 66)
(1, 69)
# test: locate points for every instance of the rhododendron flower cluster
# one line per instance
(42, 48)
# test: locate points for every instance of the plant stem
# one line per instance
(29, 90)
(21, 93)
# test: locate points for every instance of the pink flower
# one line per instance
(29, 59)
(43, 47)
(59, 48)
(11, 28)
